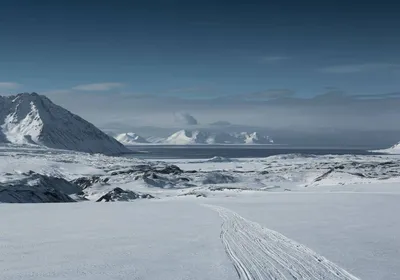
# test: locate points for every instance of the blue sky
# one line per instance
(133, 65)
(201, 49)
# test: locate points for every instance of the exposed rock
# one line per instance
(119, 194)
(85, 182)
(219, 178)
(147, 168)
(194, 193)
(37, 188)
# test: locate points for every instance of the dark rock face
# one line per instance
(170, 169)
(85, 182)
(146, 168)
(37, 188)
(119, 194)
(153, 180)
(159, 176)
(21, 195)
(219, 178)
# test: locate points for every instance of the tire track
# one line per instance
(262, 254)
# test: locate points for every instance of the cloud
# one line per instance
(98, 87)
(9, 85)
(271, 59)
(185, 118)
(220, 123)
(333, 96)
(188, 89)
(270, 94)
(379, 96)
(357, 68)
(351, 116)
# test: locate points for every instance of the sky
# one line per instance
(274, 64)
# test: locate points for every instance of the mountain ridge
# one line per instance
(199, 137)
(130, 138)
(33, 119)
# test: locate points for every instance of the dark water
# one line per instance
(204, 152)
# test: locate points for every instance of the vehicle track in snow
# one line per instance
(259, 253)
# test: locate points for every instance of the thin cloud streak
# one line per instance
(185, 118)
(9, 85)
(357, 68)
(98, 86)
(271, 59)
(270, 94)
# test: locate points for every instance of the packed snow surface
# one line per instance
(180, 238)
(282, 217)
(260, 253)
(32, 119)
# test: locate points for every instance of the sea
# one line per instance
(233, 151)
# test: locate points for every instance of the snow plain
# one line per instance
(281, 217)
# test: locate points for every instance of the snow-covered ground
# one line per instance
(281, 217)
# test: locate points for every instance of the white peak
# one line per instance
(188, 137)
(256, 138)
(130, 138)
(185, 137)
(396, 146)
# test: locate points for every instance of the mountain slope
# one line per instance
(130, 138)
(254, 138)
(29, 118)
(188, 137)
(395, 149)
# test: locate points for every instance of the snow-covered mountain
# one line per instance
(155, 140)
(130, 138)
(254, 138)
(29, 118)
(189, 137)
(395, 149)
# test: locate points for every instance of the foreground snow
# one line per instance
(180, 239)
(260, 253)
(282, 217)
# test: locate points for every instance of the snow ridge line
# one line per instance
(259, 253)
